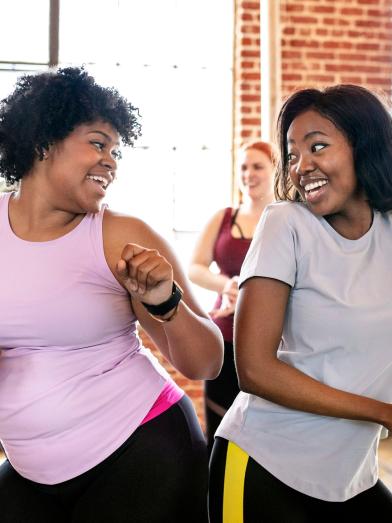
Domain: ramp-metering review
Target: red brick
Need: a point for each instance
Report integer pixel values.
(336, 44)
(350, 80)
(246, 41)
(247, 64)
(250, 29)
(367, 47)
(250, 121)
(251, 5)
(293, 7)
(249, 98)
(304, 20)
(250, 76)
(376, 80)
(360, 34)
(322, 32)
(291, 77)
(291, 54)
(386, 13)
(247, 17)
(320, 55)
(322, 78)
(250, 53)
(322, 9)
(245, 109)
(305, 43)
(368, 2)
(351, 11)
(368, 23)
(348, 57)
(352, 67)
(383, 59)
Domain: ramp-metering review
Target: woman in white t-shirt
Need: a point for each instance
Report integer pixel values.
(313, 327)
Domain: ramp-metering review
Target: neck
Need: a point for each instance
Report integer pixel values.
(352, 226)
(33, 216)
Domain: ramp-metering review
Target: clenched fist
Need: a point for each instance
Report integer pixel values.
(145, 273)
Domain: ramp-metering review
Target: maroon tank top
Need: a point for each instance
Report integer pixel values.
(229, 253)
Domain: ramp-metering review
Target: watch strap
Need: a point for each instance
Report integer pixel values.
(163, 308)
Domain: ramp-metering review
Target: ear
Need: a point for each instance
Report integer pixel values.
(42, 152)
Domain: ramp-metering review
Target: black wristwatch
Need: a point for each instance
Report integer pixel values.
(163, 308)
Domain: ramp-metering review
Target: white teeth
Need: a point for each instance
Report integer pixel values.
(98, 179)
(314, 185)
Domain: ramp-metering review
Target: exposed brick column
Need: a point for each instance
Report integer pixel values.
(247, 123)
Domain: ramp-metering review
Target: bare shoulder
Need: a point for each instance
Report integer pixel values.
(212, 227)
(120, 229)
(218, 217)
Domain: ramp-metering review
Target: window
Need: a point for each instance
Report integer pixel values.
(173, 60)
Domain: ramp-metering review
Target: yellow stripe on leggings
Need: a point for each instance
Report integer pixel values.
(233, 490)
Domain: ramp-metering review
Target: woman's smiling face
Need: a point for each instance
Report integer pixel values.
(321, 165)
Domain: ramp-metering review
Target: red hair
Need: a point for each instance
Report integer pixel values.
(265, 147)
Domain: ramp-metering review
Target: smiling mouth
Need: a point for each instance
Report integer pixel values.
(99, 179)
(314, 186)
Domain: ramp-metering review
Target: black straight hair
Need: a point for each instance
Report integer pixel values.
(366, 123)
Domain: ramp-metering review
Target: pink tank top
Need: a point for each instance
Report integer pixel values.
(75, 381)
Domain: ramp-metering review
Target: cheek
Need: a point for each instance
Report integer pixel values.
(293, 176)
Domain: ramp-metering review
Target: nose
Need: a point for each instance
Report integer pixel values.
(304, 165)
(110, 163)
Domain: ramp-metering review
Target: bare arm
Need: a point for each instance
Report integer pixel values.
(259, 322)
(145, 265)
(203, 254)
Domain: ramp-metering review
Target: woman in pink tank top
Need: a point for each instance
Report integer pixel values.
(93, 427)
(226, 240)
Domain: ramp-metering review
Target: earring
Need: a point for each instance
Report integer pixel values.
(45, 155)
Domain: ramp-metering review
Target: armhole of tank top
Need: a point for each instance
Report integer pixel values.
(4, 218)
(97, 241)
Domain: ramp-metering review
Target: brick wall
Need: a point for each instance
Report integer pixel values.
(336, 41)
(322, 42)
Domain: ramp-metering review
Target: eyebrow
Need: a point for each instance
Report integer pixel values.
(107, 136)
(308, 135)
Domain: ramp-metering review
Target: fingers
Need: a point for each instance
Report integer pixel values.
(142, 269)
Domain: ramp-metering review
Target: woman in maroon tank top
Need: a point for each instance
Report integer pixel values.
(225, 240)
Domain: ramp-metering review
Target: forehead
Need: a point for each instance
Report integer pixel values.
(310, 123)
(253, 156)
(105, 129)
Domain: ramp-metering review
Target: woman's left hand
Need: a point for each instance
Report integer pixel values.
(146, 274)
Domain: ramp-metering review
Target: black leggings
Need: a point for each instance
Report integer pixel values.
(242, 491)
(219, 394)
(158, 475)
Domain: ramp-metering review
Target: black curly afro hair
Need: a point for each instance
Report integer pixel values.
(45, 108)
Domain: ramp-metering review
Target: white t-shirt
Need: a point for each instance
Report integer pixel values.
(338, 329)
